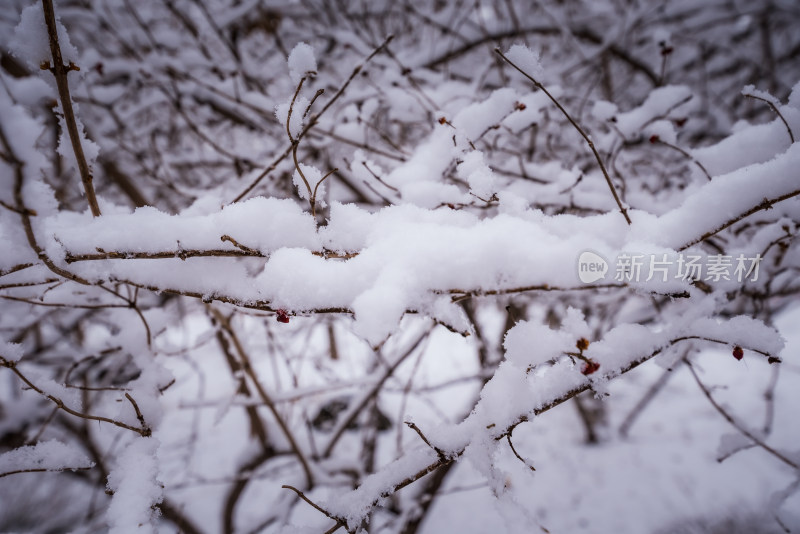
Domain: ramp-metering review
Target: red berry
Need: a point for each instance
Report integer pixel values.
(738, 353)
(654, 139)
(283, 316)
(590, 367)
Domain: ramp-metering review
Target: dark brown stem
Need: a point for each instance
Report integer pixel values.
(60, 72)
(139, 415)
(182, 254)
(314, 194)
(143, 431)
(461, 294)
(172, 514)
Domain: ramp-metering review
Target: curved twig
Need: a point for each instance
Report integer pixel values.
(583, 134)
(144, 431)
(728, 417)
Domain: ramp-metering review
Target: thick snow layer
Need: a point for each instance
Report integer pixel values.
(409, 258)
(134, 481)
(46, 455)
(661, 102)
(260, 223)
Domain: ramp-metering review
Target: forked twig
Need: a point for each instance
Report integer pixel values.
(313, 121)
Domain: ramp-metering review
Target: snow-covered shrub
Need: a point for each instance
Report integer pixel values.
(277, 267)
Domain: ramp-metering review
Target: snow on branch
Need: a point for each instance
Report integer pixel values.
(44, 456)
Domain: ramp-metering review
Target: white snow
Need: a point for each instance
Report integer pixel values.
(526, 59)
(301, 62)
(11, 352)
(51, 455)
(134, 481)
(31, 42)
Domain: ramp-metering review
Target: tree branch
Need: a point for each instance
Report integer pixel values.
(60, 72)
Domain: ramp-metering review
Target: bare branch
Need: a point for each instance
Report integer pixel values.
(583, 134)
(60, 71)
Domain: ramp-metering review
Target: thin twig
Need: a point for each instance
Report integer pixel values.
(313, 121)
(63, 304)
(12, 365)
(347, 420)
(777, 112)
(26, 214)
(758, 441)
(416, 429)
(139, 415)
(314, 194)
(43, 470)
(265, 397)
(238, 245)
(764, 205)
(520, 458)
(313, 504)
(16, 268)
(637, 410)
(583, 134)
(656, 139)
(462, 294)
